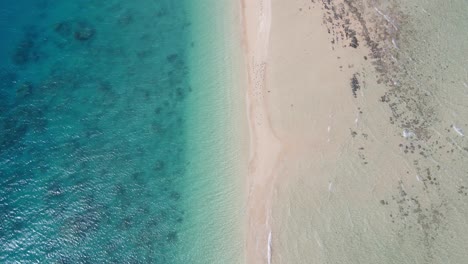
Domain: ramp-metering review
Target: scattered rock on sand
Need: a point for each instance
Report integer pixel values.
(355, 85)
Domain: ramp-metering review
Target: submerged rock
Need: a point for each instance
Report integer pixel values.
(64, 28)
(354, 42)
(125, 19)
(172, 236)
(23, 52)
(84, 32)
(172, 57)
(175, 196)
(159, 165)
(24, 90)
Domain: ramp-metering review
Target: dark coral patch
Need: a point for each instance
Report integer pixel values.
(23, 52)
(64, 28)
(84, 32)
(172, 57)
(24, 90)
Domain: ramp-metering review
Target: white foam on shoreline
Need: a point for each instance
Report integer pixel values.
(458, 130)
(407, 133)
(387, 18)
(269, 248)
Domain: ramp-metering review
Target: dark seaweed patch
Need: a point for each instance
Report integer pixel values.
(175, 196)
(24, 52)
(354, 42)
(24, 90)
(159, 165)
(355, 86)
(180, 94)
(172, 57)
(172, 237)
(84, 31)
(125, 19)
(64, 28)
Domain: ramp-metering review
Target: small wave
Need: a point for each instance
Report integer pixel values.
(407, 133)
(458, 130)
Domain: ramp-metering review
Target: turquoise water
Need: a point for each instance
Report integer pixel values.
(93, 134)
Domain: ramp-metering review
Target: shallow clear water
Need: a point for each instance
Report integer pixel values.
(93, 131)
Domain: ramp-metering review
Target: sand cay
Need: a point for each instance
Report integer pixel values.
(348, 155)
(264, 146)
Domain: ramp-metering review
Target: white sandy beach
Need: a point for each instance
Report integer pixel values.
(264, 145)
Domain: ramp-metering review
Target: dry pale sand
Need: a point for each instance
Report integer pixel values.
(264, 146)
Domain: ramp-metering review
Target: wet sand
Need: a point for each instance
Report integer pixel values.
(300, 105)
(312, 95)
(348, 161)
(293, 101)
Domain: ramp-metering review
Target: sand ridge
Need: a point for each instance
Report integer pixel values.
(264, 145)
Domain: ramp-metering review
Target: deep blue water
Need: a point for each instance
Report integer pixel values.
(92, 132)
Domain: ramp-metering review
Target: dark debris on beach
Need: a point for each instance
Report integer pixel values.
(355, 86)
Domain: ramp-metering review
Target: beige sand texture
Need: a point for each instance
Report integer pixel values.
(264, 146)
(299, 101)
(332, 179)
(312, 111)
